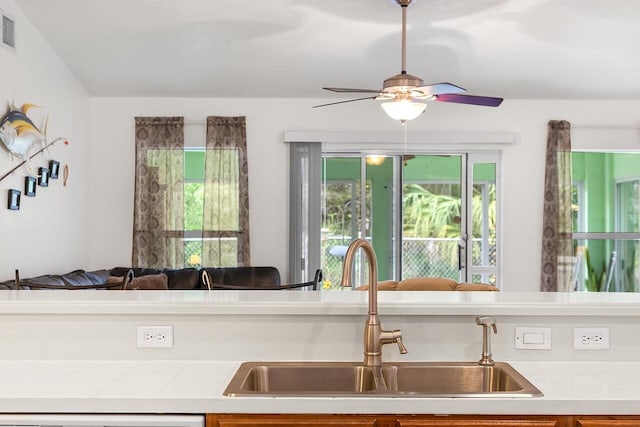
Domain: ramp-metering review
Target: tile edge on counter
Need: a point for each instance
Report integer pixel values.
(321, 303)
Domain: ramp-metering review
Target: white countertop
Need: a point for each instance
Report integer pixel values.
(197, 387)
(321, 303)
(127, 382)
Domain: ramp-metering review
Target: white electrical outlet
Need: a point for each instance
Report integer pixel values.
(155, 336)
(590, 338)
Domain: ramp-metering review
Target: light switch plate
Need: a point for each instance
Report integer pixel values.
(532, 338)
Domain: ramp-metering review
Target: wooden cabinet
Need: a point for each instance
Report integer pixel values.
(257, 420)
(311, 420)
(607, 421)
(481, 421)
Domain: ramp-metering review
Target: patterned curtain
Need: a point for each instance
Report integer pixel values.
(159, 186)
(557, 239)
(226, 194)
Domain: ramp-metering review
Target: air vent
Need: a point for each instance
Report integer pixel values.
(8, 31)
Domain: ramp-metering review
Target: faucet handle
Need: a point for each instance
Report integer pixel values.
(396, 336)
(401, 347)
(387, 337)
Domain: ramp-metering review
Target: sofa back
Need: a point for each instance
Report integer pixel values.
(77, 279)
(249, 277)
(179, 278)
(429, 284)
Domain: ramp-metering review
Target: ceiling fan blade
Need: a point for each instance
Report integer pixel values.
(342, 102)
(439, 88)
(348, 90)
(486, 101)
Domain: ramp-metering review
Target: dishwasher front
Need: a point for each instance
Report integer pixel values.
(100, 420)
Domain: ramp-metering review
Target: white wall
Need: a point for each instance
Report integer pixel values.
(297, 337)
(49, 232)
(112, 159)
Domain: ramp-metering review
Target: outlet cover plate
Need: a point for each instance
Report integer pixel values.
(532, 338)
(591, 338)
(149, 336)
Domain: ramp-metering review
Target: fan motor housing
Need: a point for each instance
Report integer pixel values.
(402, 82)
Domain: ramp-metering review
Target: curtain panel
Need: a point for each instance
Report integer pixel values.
(557, 238)
(159, 193)
(225, 231)
(305, 222)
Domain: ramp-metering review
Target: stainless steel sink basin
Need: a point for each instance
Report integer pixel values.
(402, 379)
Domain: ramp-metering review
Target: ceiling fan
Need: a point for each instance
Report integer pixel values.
(403, 92)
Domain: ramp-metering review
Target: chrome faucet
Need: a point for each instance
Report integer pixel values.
(486, 322)
(374, 336)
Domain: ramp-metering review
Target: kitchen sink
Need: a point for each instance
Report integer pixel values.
(393, 379)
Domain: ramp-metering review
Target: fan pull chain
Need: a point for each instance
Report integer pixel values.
(404, 124)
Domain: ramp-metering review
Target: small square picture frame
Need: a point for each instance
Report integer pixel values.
(43, 177)
(54, 169)
(30, 184)
(13, 202)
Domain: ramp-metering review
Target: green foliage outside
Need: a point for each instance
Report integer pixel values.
(430, 212)
(193, 205)
(434, 211)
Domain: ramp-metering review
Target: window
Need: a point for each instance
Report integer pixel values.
(606, 234)
(191, 204)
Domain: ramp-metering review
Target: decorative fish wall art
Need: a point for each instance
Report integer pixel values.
(19, 134)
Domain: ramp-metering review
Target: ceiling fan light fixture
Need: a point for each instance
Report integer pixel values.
(403, 109)
(375, 160)
(404, 91)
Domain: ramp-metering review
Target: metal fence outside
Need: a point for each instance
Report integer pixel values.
(421, 257)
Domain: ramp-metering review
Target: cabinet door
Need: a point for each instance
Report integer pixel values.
(480, 421)
(608, 422)
(260, 420)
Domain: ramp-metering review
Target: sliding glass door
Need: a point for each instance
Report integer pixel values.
(426, 215)
(480, 240)
(433, 222)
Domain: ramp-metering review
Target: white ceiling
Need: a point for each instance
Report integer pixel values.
(563, 49)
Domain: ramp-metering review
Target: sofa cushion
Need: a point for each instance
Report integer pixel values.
(183, 278)
(144, 283)
(251, 277)
(180, 278)
(475, 287)
(77, 279)
(85, 278)
(385, 285)
(148, 282)
(427, 284)
(114, 280)
(98, 276)
(46, 281)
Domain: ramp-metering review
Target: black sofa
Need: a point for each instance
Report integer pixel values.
(177, 279)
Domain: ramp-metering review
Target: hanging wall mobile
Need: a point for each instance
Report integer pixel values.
(29, 186)
(20, 136)
(54, 169)
(14, 200)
